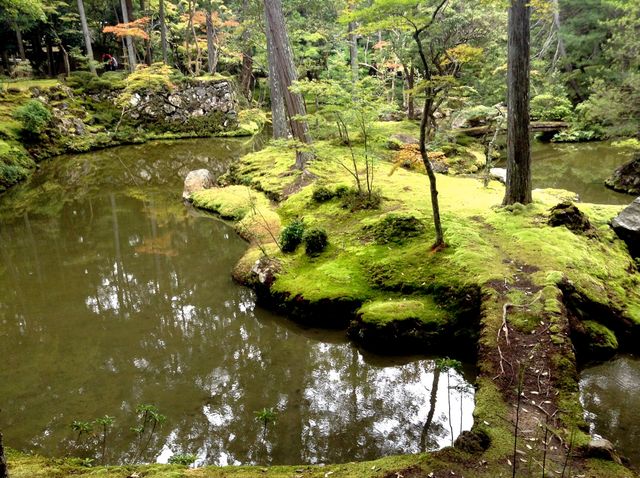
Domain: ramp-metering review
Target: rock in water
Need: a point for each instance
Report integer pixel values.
(627, 227)
(197, 181)
(626, 178)
(499, 174)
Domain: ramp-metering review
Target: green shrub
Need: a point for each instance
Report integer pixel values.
(291, 236)
(34, 116)
(576, 136)
(356, 201)
(322, 194)
(315, 241)
(478, 115)
(547, 107)
(182, 459)
(342, 190)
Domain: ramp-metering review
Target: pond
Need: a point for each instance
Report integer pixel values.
(611, 396)
(114, 295)
(581, 168)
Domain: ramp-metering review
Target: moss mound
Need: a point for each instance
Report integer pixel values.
(396, 229)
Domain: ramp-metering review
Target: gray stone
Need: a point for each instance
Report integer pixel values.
(627, 227)
(198, 112)
(175, 100)
(602, 449)
(197, 181)
(169, 108)
(135, 100)
(499, 174)
(397, 141)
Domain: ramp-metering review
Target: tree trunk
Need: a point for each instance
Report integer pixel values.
(247, 57)
(131, 54)
(518, 143)
(87, 37)
(432, 409)
(20, 42)
(163, 32)
(427, 114)
(212, 51)
(4, 472)
(410, 77)
(278, 114)
(562, 52)
(286, 74)
(50, 63)
(353, 52)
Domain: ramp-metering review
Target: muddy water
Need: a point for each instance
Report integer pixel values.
(113, 294)
(611, 397)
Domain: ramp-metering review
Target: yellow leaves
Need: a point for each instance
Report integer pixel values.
(134, 29)
(463, 54)
(409, 157)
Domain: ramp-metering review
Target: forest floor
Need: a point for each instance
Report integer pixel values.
(506, 281)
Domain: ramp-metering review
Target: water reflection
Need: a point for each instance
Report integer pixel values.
(581, 168)
(118, 295)
(611, 398)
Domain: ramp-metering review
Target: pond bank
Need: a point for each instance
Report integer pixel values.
(87, 113)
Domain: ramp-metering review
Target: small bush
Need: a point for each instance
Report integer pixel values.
(291, 236)
(355, 201)
(342, 190)
(547, 107)
(315, 241)
(34, 116)
(182, 459)
(23, 69)
(576, 136)
(322, 194)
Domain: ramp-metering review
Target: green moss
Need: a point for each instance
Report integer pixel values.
(601, 339)
(423, 310)
(233, 202)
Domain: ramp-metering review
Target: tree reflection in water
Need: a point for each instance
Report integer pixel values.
(119, 295)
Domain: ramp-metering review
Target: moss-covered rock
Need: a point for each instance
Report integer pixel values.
(626, 178)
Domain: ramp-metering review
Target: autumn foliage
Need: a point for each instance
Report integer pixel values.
(134, 29)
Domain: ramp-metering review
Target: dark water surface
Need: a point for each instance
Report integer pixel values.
(581, 168)
(114, 294)
(611, 396)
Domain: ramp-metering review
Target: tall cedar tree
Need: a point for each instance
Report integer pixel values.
(285, 72)
(87, 37)
(518, 142)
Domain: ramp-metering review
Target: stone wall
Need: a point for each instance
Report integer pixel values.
(193, 105)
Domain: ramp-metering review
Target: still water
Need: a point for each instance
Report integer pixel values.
(611, 395)
(581, 168)
(114, 294)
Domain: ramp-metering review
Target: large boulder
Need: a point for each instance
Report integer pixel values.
(499, 174)
(626, 178)
(627, 226)
(197, 181)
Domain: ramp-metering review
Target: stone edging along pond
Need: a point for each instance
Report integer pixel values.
(509, 289)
